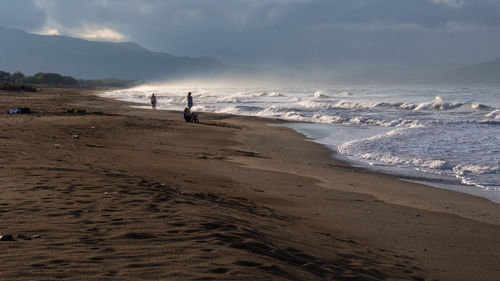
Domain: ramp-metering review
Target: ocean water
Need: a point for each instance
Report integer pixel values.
(444, 135)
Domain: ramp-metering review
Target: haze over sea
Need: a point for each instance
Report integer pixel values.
(446, 136)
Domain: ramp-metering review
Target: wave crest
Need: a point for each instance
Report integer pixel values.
(495, 114)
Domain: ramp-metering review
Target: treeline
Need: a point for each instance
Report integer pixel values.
(17, 79)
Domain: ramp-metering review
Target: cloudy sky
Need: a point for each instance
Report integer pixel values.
(298, 32)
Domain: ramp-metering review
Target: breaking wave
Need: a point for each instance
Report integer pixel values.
(440, 130)
(495, 114)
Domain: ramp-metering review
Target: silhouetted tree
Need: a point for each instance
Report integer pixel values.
(4, 76)
(17, 77)
(52, 79)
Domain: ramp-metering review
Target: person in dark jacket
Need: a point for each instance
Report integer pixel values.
(153, 101)
(190, 117)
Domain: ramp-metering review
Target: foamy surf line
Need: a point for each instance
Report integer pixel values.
(441, 134)
(335, 139)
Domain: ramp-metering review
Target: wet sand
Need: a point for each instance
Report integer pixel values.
(121, 193)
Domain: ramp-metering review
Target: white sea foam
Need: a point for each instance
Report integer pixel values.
(320, 94)
(495, 114)
(272, 94)
(440, 130)
(476, 169)
(442, 148)
(438, 103)
(328, 119)
(478, 106)
(408, 105)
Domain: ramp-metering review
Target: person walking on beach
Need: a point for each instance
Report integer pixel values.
(153, 101)
(190, 101)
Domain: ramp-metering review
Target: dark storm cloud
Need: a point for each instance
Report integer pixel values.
(326, 32)
(21, 14)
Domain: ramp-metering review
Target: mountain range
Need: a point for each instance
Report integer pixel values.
(485, 72)
(31, 53)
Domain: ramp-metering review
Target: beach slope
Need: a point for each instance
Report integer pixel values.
(114, 192)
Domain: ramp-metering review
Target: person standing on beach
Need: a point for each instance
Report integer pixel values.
(153, 101)
(190, 101)
(23, 89)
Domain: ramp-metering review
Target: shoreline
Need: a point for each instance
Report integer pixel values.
(352, 117)
(142, 193)
(408, 174)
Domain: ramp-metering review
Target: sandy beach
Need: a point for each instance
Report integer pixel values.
(124, 193)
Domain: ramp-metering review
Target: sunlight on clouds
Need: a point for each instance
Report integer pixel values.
(50, 28)
(58, 23)
(49, 31)
(89, 33)
(101, 33)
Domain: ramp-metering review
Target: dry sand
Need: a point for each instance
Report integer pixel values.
(121, 193)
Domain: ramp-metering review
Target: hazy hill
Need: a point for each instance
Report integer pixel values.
(80, 58)
(408, 74)
(486, 72)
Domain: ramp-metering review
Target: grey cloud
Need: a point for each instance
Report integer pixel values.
(21, 14)
(327, 32)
